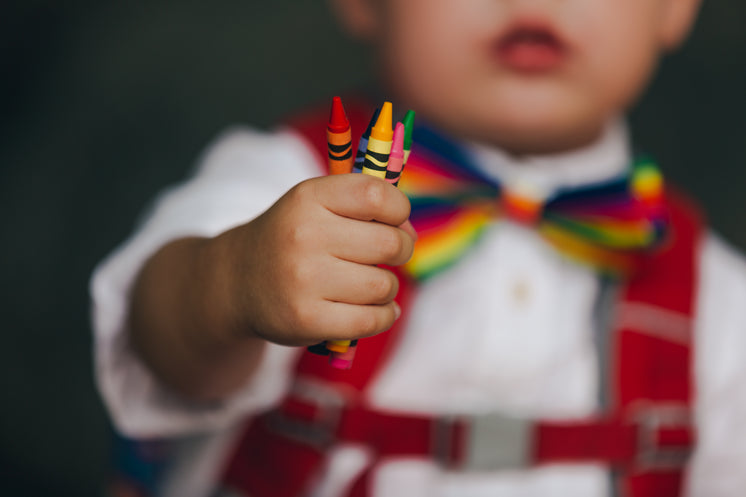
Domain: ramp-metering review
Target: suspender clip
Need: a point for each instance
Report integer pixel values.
(484, 443)
(665, 436)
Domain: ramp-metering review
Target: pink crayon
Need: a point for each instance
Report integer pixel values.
(343, 360)
(396, 159)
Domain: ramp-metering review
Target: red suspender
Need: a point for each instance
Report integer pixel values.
(654, 347)
(645, 435)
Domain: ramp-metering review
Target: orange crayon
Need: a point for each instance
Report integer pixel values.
(339, 139)
(340, 161)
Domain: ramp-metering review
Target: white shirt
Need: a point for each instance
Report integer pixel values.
(521, 341)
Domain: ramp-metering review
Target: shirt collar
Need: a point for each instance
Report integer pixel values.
(540, 176)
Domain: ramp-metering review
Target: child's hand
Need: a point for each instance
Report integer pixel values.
(304, 271)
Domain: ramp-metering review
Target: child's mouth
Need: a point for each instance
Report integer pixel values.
(530, 47)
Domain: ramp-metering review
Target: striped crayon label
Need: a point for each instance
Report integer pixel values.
(339, 146)
(377, 157)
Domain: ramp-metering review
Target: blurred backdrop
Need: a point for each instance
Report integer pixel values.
(103, 103)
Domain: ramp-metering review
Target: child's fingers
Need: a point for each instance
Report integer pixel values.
(407, 226)
(359, 284)
(349, 321)
(363, 197)
(371, 243)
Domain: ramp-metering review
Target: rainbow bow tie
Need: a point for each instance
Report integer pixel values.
(609, 225)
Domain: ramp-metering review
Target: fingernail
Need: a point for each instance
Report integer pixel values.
(397, 311)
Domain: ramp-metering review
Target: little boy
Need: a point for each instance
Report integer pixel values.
(513, 371)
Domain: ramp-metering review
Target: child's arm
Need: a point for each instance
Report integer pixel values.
(300, 273)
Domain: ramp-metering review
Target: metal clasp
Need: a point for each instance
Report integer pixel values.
(488, 442)
(651, 421)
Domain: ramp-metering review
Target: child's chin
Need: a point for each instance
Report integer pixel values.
(524, 136)
(544, 127)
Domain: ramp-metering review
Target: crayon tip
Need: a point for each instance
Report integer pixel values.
(372, 122)
(397, 147)
(382, 129)
(338, 122)
(408, 126)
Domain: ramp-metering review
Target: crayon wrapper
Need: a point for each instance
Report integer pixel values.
(377, 166)
(340, 152)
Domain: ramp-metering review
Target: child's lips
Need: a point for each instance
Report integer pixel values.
(531, 48)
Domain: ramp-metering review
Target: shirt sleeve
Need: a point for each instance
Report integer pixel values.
(719, 463)
(239, 177)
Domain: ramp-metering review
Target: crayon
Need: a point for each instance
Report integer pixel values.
(376, 151)
(396, 159)
(337, 345)
(337, 348)
(339, 139)
(363, 145)
(408, 122)
(375, 162)
(339, 147)
(343, 360)
(379, 144)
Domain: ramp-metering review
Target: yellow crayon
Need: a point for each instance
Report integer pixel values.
(379, 144)
(338, 345)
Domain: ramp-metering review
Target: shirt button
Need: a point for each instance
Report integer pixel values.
(521, 292)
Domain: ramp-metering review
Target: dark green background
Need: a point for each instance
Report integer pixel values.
(103, 103)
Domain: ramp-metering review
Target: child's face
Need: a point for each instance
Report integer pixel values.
(529, 75)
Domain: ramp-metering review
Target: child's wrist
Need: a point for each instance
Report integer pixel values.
(222, 257)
